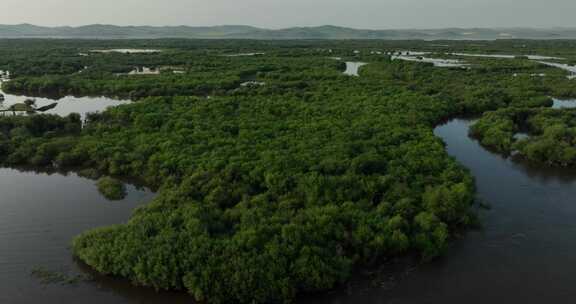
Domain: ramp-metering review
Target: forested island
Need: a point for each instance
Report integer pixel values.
(277, 174)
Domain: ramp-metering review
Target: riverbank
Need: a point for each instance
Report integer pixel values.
(515, 257)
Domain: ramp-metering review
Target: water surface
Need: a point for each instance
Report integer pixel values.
(502, 56)
(39, 215)
(526, 252)
(437, 62)
(353, 68)
(66, 105)
(127, 51)
(564, 103)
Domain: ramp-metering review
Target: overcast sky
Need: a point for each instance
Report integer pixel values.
(285, 13)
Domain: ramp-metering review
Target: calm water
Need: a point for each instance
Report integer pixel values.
(352, 68)
(128, 51)
(39, 216)
(441, 63)
(564, 103)
(68, 104)
(525, 254)
(531, 57)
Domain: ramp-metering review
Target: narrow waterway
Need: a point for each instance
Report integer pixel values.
(526, 252)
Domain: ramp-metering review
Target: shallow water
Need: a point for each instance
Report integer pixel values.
(127, 51)
(39, 216)
(244, 54)
(526, 252)
(66, 105)
(564, 103)
(531, 57)
(353, 68)
(443, 63)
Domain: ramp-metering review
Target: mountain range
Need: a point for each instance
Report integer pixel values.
(100, 31)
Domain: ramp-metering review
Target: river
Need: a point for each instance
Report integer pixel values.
(526, 252)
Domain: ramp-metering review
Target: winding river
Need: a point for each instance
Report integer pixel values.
(526, 252)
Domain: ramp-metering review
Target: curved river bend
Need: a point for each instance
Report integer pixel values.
(526, 252)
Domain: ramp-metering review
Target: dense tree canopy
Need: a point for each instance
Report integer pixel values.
(285, 187)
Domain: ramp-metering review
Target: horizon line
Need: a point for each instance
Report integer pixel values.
(301, 26)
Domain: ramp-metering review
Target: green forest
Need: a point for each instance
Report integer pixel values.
(292, 186)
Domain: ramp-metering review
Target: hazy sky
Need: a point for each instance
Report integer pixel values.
(286, 13)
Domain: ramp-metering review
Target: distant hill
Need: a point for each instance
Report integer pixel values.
(99, 31)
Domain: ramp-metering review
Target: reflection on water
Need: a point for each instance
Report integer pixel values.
(65, 105)
(526, 252)
(39, 216)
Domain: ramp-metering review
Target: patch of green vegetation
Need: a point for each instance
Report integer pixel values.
(270, 191)
(111, 188)
(89, 173)
(552, 139)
